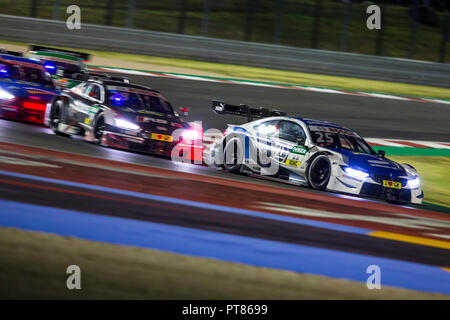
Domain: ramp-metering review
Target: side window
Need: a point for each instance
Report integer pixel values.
(291, 131)
(81, 88)
(94, 91)
(267, 127)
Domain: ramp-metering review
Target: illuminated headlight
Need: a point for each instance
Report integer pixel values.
(190, 135)
(5, 95)
(355, 173)
(123, 124)
(414, 183)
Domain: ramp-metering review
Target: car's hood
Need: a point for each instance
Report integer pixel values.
(29, 90)
(153, 121)
(373, 164)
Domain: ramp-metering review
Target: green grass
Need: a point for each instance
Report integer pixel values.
(35, 268)
(435, 176)
(228, 20)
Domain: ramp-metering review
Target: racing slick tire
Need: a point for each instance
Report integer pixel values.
(98, 128)
(319, 172)
(233, 155)
(56, 116)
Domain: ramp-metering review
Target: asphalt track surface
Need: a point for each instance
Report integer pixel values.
(372, 117)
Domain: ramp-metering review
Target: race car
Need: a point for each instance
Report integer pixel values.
(25, 88)
(66, 67)
(112, 112)
(319, 154)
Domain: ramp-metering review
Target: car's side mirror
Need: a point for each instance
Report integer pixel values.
(184, 111)
(300, 141)
(381, 153)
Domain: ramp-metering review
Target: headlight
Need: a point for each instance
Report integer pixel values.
(123, 124)
(409, 169)
(355, 173)
(414, 183)
(5, 95)
(190, 134)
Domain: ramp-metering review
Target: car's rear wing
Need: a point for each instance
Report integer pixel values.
(220, 107)
(11, 53)
(80, 55)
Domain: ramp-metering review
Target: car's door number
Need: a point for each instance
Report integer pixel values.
(324, 137)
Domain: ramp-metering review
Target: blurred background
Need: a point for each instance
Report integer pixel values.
(413, 29)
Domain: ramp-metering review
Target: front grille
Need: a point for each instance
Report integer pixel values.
(378, 191)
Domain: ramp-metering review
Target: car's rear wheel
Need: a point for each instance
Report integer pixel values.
(56, 117)
(319, 172)
(233, 155)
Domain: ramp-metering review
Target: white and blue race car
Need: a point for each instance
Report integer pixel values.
(314, 153)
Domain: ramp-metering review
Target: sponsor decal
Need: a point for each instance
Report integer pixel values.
(293, 163)
(299, 150)
(148, 119)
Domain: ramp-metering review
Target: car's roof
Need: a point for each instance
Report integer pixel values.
(118, 83)
(313, 122)
(19, 59)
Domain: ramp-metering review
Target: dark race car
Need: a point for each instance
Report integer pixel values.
(66, 67)
(112, 112)
(25, 88)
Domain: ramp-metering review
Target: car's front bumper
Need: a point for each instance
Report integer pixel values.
(138, 143)
(372, 187)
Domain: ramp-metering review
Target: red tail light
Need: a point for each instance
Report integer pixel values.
(40, 106)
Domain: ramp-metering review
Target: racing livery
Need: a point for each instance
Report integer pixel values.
(67, 68)
(112, 112)
(313, 153)
(25, 88)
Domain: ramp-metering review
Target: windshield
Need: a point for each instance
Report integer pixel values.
(28, 73)
(139, 100)
(341, 141)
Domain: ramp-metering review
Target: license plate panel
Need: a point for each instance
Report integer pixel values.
(161, 137)
(392, 184)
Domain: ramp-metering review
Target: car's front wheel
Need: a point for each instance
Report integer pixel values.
(319, 172)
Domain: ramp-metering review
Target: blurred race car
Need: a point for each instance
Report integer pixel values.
(112, 112)
(67, 68)
(313, 153)
(25, 88)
